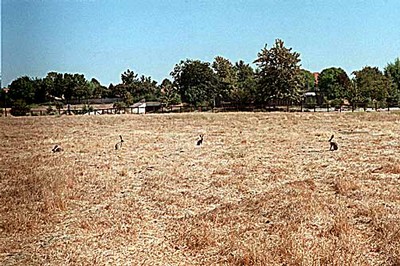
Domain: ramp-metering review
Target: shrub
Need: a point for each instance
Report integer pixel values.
(59, 106)
(87, 108)
(310, 102)
(50, 110)
(20, 108)
(128, 98)
(119, 105)
(336, 103)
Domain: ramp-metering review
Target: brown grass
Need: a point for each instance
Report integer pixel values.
(263, 189)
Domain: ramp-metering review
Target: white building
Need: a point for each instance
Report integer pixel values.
(139, 108)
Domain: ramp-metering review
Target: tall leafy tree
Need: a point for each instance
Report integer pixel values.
(392, 71)
(140, 88)
(129, 77)
(334, 83)
(244, 91)
(308, 80)
(69, 87)
(169, 93)
(226, 78)
(128, 98)
(127, 88)
(146, 89)
(195, 81)
(40, 91)
(81, 88)
(279, 73)
(56, 85)
(22, 89)
(308, 85)
(118, 90)
(53, 83)
(98, 90)
(371, 84)
(4, 98)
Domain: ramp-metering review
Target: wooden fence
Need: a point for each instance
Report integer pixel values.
(224, 108)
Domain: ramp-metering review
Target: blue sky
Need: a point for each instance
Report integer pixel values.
(103, 38)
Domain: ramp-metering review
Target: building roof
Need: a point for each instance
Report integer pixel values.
(146, 104)
(139, 104)
(153, 104)
(310, 93)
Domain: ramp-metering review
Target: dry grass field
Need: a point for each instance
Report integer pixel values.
(263, 189)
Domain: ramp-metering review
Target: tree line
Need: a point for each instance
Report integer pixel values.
(277, 76)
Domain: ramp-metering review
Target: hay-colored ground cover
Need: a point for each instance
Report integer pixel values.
(263, 189)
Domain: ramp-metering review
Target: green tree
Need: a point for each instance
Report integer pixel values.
(53, 84)
(118, 90)
(129, 77)
(334, 83)
(137, 88)
(23, 88)
(308, 80)
(169, 93)
(279, 74)
(98, 90)
(128, 99)
(245, 90)
(308, 85)
(226, 78)
(40, 91)
(19, 107)
(4, 98)
(146, 89)
(371, 85)
(392, 71)
(129, 83)
(195, 81)
(68, 86)
(80, 87)
(111, 91)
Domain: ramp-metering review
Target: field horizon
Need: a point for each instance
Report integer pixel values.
(262, 189)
